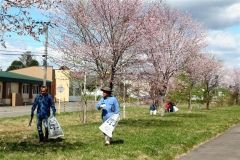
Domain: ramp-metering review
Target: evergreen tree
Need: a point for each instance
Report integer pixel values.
(15, 65)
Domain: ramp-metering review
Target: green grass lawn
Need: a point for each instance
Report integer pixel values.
(139, 136)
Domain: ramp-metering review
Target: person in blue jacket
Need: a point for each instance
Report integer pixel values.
(109, 106)
(43, 102)
(153, 108)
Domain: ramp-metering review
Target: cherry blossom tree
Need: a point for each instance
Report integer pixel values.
(232, 80)
(193, 71)
(15, 17)
(169, 44)
(211, 75)
(101, 35)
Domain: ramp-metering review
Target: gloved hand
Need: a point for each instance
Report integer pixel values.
(30, 122)
(103, 106)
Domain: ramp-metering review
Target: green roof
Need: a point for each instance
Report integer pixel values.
(15, 77)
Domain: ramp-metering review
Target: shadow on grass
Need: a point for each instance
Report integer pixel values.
(187, 115)
(149, 123)
(117, 141)
(40, 148)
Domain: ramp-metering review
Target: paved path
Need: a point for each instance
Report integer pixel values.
(223, 147)
(8, 111)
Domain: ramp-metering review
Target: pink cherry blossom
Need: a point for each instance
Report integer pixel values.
(101, 35)
(171, 40)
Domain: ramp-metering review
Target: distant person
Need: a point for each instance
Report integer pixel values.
(169, 106)
(153, 108)
(109, 106)
(43, 102)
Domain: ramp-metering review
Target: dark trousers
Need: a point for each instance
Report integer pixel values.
(44, 121)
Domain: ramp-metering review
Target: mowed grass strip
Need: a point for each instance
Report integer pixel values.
(139, 136)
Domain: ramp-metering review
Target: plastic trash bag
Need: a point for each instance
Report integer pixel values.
(175, 109)
(54, 128)
(109, 125)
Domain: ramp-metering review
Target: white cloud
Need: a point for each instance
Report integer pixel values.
(232, 12)
(223, 40)
(225, 46)
(216, 14)
(222, 19)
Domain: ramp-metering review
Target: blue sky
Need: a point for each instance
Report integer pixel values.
(221, 18)
(18, 44)
(234, 29)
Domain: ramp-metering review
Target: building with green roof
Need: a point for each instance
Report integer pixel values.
(15, 77)
(24, 87)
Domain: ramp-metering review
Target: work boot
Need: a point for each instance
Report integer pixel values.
(41, 138)
(46, 135)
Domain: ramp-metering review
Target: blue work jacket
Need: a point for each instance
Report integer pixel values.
(112, 107)
(43, 103)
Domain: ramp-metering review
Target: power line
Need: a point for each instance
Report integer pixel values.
(18, 51)
(21, 51)
(12, 54)
(10, 51)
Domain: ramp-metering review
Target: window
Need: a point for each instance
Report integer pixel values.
(25, 88)
(35, 89)
(77, 92)
(8, 88)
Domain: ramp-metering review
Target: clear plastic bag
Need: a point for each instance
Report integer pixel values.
(54, 128)
(175, 109)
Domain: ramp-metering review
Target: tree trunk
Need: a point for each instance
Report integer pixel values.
(161, 104)
(112, 76)
(85, 112)
(237, 98)
(161, 97)
(207, 95)
(190, 100)
(208, 100)
(85, 99)
(207, 104)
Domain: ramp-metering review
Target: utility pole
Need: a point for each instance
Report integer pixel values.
(45, 54)
(124, 97)
(85, 83)
(85, 98)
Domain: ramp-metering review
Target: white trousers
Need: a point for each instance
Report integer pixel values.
(153, 112)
